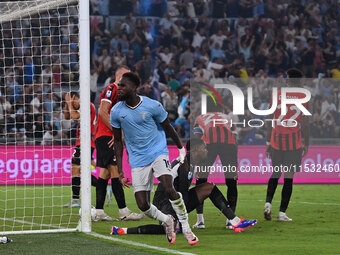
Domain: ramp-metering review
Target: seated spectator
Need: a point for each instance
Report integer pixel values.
(183, 75)
(199, 37)
(327, 106)
(182, 123)
(187, 58)
(216, 51)
(218, 38)
(170, 103)
(166, 55)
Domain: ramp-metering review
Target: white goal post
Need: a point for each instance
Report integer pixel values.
(44, 54)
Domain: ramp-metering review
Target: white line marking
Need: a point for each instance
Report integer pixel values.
(31, 223)
(41, 231)
(295, 202)
(139, 244)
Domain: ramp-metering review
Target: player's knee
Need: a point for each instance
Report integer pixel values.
(75, 170)
(143, 206)
(104, 174)
(171, 193)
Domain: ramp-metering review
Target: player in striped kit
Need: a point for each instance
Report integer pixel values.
(71, 110)
(216, 130)
(285, 147)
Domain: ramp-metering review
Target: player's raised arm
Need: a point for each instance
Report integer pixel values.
(66, 111)
(170, 131)
(73, 105)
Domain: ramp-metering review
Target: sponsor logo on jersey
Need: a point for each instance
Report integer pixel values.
(108, 93)
(143, 114)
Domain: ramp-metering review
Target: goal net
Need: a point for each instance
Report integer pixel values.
(39, 64)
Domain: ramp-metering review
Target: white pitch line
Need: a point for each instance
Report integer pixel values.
(295, 202)
(31, 223)
(139, 244)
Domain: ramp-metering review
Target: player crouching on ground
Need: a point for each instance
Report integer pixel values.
(183, 174)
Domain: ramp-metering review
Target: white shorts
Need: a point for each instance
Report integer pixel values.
(142, 177)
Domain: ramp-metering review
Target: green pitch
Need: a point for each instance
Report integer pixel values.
(315, 228)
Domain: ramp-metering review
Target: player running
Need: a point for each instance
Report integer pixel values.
(183, 175)
(144, 123)
(285, 148)
(71, 110)
(106, 158)
(221, 140)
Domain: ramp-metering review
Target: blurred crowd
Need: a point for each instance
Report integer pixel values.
(170, 44)
(38, 65)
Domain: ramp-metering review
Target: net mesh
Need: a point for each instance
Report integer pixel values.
(38, 66)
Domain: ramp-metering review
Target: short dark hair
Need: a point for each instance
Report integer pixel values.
(74, 93)
(294, 73)
(133, 77)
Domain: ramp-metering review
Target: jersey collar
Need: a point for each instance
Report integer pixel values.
(141, 100)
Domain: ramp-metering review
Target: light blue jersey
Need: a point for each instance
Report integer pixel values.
(144, 136)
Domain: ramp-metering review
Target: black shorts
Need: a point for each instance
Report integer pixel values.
(228, 157)
(286, 162)
(105, 155)
(76, 155)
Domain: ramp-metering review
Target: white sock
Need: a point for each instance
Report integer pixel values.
(181, 212)
(200, 217)
(156, 214)
(124, 211)
(235, 221)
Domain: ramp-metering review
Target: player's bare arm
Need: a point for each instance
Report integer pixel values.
(74, 114)
(66, 111)
(269, 133)
(118, 146)
(305, 130)
(104, 113)
(170, 131)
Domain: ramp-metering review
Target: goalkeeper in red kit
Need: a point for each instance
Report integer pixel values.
(286, 147)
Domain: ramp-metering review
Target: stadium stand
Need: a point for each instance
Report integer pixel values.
(170, 42)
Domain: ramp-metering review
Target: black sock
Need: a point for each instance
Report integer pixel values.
(232, 193)
(286, 194)
(147, 229)
(272, 184)
(199, 209)
(117, 190)
(75, 187)
(94, 180)
(101, 193)
(221, 203)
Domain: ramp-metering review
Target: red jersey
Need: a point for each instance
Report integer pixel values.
(218, 131)
(109, 94)
(287, 138)
(93, 127)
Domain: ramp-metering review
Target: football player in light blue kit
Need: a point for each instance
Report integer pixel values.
(144, 123)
